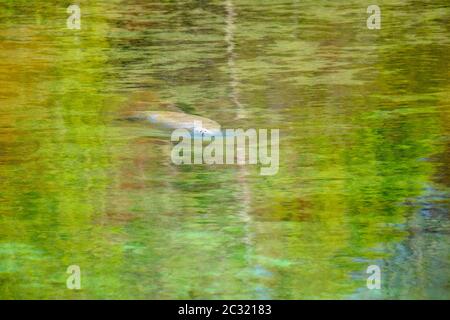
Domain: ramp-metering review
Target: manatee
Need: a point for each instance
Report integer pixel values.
(177, 120)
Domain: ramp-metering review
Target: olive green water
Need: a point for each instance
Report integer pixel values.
(364, 150)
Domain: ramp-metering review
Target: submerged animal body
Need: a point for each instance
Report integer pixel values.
(177, 120)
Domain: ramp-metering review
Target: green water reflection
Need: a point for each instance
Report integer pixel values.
(364, 150)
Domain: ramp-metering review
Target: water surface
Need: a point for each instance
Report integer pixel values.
(364, 150)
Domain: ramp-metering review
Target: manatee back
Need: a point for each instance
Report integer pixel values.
(173, 120)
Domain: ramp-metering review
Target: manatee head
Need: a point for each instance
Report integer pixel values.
(202, 131)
